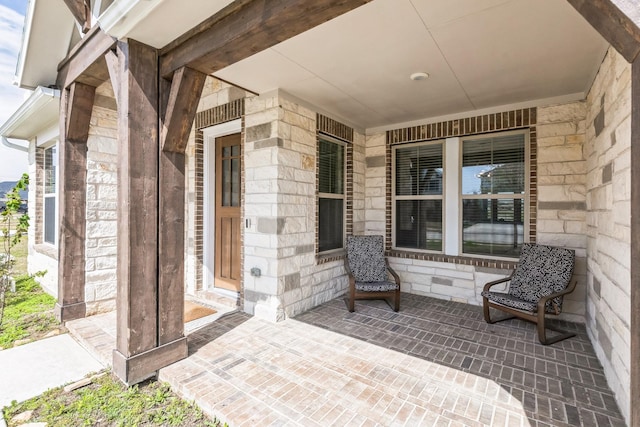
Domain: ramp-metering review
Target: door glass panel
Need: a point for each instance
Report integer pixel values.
(231, 176)
(235, 181)
(226, 181)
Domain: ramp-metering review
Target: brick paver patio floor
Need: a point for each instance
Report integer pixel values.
(435, 363)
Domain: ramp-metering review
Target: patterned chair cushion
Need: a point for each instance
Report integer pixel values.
(510, 301)
(365, 255)
(376, 286)
(541, 271)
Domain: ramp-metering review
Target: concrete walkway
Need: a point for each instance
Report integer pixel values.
(31, 369)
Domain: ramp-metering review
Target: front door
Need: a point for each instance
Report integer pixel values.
(227, 213)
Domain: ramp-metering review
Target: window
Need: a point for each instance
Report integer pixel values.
(418, 196)
(50, 166)
(331, 194)
(493, 195)
(462, 196)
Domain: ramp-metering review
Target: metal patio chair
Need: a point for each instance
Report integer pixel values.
(369, 270)
(544, 274)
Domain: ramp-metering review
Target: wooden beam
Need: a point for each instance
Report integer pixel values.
(138, 195)
(613, 24)
(111, 60)
(81, 11)
(635, 245)
(180, 100)
(184, 95)
(76, 108)
(246, 27)
(86, 63)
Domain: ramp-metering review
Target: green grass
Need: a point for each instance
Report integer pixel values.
(28, 313)
(108, 402)
(19, 252)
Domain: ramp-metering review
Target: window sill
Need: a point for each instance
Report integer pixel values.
(500, 264)
(330, 256)
(47, 249)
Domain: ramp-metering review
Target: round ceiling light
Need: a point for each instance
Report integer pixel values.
(419, 76)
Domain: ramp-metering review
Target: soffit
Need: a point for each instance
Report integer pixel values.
(479, 54)
(49, 29)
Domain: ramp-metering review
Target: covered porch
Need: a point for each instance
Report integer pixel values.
(575, 124)
(434, 363)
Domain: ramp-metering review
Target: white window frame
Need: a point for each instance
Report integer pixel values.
(342, 196)
(525, 197)
(442, 196)
(54, 195)
(452, 197)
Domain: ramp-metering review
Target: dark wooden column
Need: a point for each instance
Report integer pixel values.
(179, 103)
(151, 180)
(137, 355)
(76, 105)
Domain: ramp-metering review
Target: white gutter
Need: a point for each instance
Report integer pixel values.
(10, 144)
(123, 15)
(30, 113)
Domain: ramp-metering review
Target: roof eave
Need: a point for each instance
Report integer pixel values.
(40, 110)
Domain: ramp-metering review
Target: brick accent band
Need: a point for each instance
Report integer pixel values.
(334, 128)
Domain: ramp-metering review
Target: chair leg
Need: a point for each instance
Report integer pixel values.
(487, 314)
(351, 300)
(542, 332)
(396, 302)
(485, 310)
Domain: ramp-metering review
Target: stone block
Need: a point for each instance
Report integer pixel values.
(557, 129)
(550, 226)
(561, 192)
(101, 229)
(571, 112)
(563, 153)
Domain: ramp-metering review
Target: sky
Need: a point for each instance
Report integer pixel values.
(12, 162)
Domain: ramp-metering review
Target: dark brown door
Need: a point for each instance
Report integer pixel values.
(227, 229)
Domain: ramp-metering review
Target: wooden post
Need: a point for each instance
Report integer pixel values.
(150, 325)
(76, 106)
(179, 103)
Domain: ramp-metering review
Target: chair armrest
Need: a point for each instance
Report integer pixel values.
(495, 282)
(393, 272)
(567, 290)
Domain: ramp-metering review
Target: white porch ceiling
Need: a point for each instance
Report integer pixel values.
(479, 54)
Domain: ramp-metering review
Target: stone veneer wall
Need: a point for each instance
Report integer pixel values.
(102, 201)
(562, 193)
(608, 196)
(280, 202)
(462, 278)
